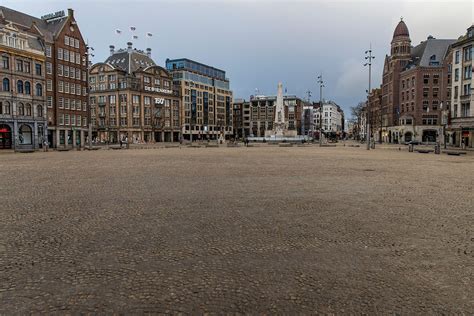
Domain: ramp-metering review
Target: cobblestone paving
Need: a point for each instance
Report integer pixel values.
(237, 230)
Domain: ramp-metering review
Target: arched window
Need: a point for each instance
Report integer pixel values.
(27, 87)
(6, 108)
(39, 110)
(6, 84)
(21, 109)
(28, 109)
(39, 90)
(19, 86)
(25, 135)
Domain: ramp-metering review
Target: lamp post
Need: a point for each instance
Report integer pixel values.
(321, 86)
(444, 120)
(369, 58)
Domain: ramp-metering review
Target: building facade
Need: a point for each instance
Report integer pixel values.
(262, 114)
(206, 97)
(241, 118)
(65, 72)
(415, 87)
(461, 127)
(132, 99)
(22, 97)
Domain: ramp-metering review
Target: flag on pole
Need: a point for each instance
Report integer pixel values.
(132, 28)
(118, 31)
(135, 36)
(149, 34)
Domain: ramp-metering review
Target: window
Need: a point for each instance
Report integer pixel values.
(426, 79)
(39, 90)
(61, 119)
(48, 51)
(5, 62)
(38, 69)
(435, 92)
(78, 59)
(19, 65)
(73, 104)
(73, 120)
(60, 70)
(78, 74)
(6, 84)
(49, 68)
(426, 91)
(76, 43)
(456, 57)
(468, 72)
(456, 92)
(146, 79)
(61, 86)
(49, 85)
(112, 99)
(60, 53)
(84, 121)
(66, 40)
(66, 71)
(26, 66)
(72, 73)
(25, 135)
(28, 109)
(157, 82)
(135, 99)
(456, 74)
(61, 102)
(67, 104)
(467, 89)
(66, 87)
(66, 119)
(49, 102)
(468, 53)
(21, 109)
(66, 55)
(19, 86)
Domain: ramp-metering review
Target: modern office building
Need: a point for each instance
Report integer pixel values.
(22, 97)
(65, 70)
(206, 97)
(461, 127)
(133, 99)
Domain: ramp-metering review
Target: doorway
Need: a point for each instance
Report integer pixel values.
(5, 137)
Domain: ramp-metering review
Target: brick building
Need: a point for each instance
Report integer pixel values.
(65, 71)
(415, 85)
(22, 97)
(133, 99)
(241, 118)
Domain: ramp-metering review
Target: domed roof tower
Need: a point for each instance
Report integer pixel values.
(401, 43)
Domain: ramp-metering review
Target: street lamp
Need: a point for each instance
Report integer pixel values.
(444, 121)
(369, 58)
(321, 86)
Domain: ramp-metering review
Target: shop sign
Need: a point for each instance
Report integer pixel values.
(160, 90)
(159, 101)
(51, 16)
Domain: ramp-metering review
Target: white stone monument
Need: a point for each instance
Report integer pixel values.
(280, 125)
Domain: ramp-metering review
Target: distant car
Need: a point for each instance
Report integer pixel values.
(413, 142)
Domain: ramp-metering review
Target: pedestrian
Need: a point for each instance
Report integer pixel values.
(121, 142)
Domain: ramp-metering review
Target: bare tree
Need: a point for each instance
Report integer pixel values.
(356, 113)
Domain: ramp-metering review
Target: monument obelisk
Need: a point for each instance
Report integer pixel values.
(279, 125)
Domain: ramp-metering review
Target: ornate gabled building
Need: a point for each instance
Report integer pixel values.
(65, 71)
(415, 87)
(132, 99)
(22, 97)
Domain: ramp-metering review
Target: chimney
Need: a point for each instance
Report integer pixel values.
(129, 46)
(148, 52)
(70, 13)
(112, 49)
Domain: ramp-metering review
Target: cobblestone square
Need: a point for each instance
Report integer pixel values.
(237, 230)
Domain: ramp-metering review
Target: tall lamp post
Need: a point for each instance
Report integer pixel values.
(444, 121)
(303, 118)
(369, 58)
(321, 86)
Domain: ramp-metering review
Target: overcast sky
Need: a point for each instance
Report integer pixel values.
(261, 42)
